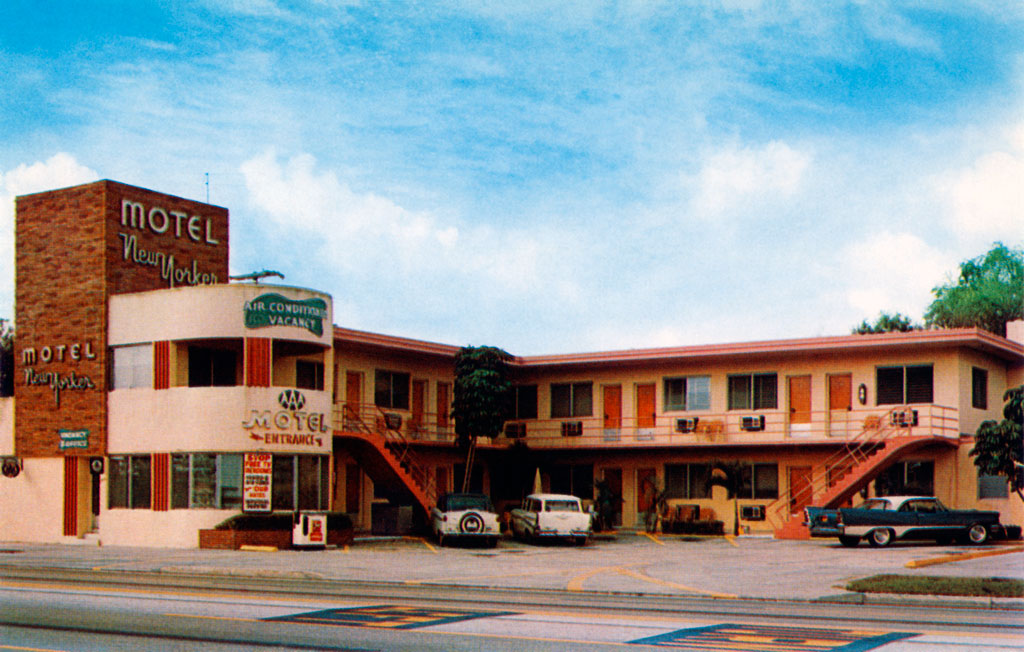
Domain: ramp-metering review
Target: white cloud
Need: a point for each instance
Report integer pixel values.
(736, 178)
(59, 171)
(892, 272)
(986, 198)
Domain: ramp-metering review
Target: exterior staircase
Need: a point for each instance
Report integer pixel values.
(383, 451)
(841, 476)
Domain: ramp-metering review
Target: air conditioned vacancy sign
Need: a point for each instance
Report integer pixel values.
(257, 470)
(276, 310)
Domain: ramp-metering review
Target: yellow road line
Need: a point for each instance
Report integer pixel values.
(576, 584)
(654, 538)
(732, 540)
(241, 620)
(945, 559)
(30, 649)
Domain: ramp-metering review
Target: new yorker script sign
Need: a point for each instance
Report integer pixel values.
(276, 310)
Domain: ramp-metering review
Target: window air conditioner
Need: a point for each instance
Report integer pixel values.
(515, 430)
(572, 428)
(752, 423)
(686, 425)
(904, 418)
(752, 512)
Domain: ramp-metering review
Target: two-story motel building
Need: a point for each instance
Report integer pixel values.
(154, 398)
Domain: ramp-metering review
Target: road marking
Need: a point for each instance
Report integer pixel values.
(424, 542)
(732, 540)
(576, 583)
(762, 638)
(654, 538)
(387, 617)
(242, 620)
(945, 559)
(30, 649)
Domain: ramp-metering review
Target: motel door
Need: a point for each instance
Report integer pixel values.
(613, 477)
(612, 412)
(419, 396)
(443, 403)
(645, 417)
(799, 404)
(840, 403)
(800, 492)
(353, 396)
(646, 487)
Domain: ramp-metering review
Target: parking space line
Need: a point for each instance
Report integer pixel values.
(654, 538)
(576, 583)
(945, 559)
(424, 542)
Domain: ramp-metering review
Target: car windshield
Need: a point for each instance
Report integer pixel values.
(462, 503)
(875, 504)
(561, 506)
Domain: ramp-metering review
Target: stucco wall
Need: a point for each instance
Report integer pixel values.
(33, 503)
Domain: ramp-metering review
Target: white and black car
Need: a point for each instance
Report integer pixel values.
(551, 516)
(465, 517)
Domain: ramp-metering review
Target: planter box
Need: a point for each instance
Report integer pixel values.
(281, 539)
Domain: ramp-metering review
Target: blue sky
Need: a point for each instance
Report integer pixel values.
(546, 176)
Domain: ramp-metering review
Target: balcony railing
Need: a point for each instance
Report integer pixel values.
(674, 429)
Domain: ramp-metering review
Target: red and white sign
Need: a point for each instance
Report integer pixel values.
(257, 471)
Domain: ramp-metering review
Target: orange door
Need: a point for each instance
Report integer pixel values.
(353, 394)
(800, 493)
(645, 417)
(443, 402)
(840, 402)
(612, 407)
(419, 396)
(799, 399)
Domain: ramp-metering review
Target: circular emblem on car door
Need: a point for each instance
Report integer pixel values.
(471, 523)
(291, 399)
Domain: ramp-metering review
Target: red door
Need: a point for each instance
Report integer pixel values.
(799, 400)
(443, 403)
(353, 395)
(800, 493)
(612, 407)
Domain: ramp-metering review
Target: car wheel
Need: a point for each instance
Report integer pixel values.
(471, 523)
(977, 534)
(881, 537)
(848, 541)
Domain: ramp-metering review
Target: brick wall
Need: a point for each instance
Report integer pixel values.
(71, 252)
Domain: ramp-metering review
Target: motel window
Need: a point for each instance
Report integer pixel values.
(206, 481)
(309, 375)
(993, 486)
(979, 388)
(907, 479)
(524, 402)
(300, 482)
(900, 385)
(133, 366)
(753, 391)
(573, 479)
(572, 400)
(129, 482)
(687, 481)
(687, 393)
(391, 389)
(759, 481)
(209, 367)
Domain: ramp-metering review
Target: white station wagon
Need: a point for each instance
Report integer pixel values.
(551, 516)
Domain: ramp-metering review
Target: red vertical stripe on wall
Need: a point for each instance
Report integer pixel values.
(71, 496)
(257, 362)
(161, 486)
(161, 365)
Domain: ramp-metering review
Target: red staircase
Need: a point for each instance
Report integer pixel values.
(841, 476)
(383, 451)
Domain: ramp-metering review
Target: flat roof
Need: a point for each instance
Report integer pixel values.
(973, 338)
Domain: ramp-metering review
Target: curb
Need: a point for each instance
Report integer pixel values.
(944, 559)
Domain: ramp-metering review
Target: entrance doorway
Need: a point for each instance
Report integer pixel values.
(645, 411)
(840, 403)
(613, 479)
(612, 412)
(799, 405)
(800, 489)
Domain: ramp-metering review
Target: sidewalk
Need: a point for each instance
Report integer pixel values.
(743, 567)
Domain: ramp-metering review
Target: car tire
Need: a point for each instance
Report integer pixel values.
(880, 537)
(849, 541)
(471, 523)
(977, 534)
(581, 541)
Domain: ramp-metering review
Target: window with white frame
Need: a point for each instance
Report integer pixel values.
(687, 393)
(753, 391)
(133, 366)
(206, 480)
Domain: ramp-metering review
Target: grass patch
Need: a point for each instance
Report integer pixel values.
(986, 587)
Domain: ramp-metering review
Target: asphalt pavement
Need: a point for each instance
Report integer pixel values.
(758, 568)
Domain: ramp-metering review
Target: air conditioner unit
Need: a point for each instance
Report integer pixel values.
(392, 420)
(752, 423)
(515, 430)
(687, 425)
(572, 428)
(904, 418)
(752, 512)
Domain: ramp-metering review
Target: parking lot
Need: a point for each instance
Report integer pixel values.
(749, 567)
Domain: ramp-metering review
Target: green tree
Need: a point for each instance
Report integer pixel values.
(998, 446)
(988, 293)
(729, 475)
(481, 397)
(887, 323)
